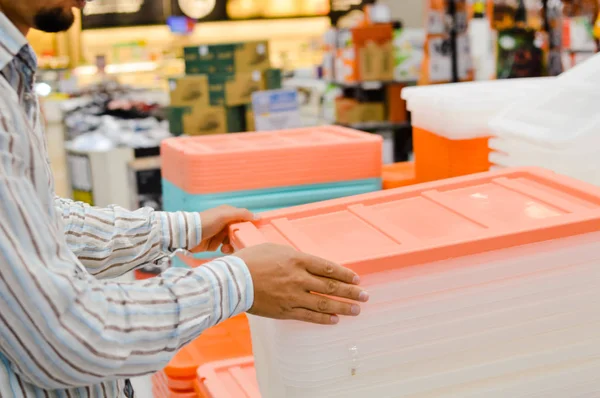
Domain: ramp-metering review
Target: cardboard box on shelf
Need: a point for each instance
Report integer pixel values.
(376, 62)
(234, 89)
(349, 111)
(273, 79)
(205, 121)
(175, 117)
(374, 51)
(236, 119)
(250, 123)
(229, 58)
(189, 91)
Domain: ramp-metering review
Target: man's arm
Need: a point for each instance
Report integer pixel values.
(112, 241)
(60, 327)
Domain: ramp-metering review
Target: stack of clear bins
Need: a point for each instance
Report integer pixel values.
(556, 128)
(450, 123)
(269, 170)
(481, 286)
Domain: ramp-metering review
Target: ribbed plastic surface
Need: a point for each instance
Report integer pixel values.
(462, 111)
(251, 161)
(557, 128)
(450, 123)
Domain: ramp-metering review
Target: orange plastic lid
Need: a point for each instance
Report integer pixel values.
(399, 175)
(434, 221)
(229, 339)
(161, 390)
(248, 161)
(235, 378)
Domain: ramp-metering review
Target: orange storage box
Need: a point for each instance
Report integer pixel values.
(450, 123)
(229, 339)
(160, 388)
(235, 378)
(399, 175)
(253, 161)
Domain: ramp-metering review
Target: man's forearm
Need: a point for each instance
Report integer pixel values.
(112, 241)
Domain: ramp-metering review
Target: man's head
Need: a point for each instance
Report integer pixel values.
(45, 15)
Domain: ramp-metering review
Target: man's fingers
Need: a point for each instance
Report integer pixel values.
(235, 215)
(304, 315)
(332, 287)
(320, 267)
(325, 305)
(217, 241)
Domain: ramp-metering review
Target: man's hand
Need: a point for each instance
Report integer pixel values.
(215, 227)
(292, 285)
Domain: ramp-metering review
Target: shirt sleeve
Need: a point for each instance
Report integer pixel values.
(61, 327)
(112, 241)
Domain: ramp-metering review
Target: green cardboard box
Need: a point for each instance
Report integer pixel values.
(175, 116)
(228, 58)
(234, 89)
(190, 90)
(236, 119)
(273, 79)
(205, 120)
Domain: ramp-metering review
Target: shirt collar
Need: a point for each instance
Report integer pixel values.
(12, 42)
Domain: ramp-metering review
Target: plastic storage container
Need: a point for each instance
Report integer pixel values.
(450, 123)
(557, 128)
(254, 161)
(235, 378)
(267, 199)
(270, 170)
(399, 175)
(472, 280)
(160, 388)
(230, 339)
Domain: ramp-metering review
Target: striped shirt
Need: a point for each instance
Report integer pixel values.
(66, 329)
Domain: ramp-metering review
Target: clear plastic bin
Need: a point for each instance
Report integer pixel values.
(556, 128)
(471, 279)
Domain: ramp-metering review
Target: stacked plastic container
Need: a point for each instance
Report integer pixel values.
(450, 123)
(398, 175)
(227, 341)
(556, 128)
(481, 286)
(270, 170)
(235, 378)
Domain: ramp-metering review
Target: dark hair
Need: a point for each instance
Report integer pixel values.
(54, 20)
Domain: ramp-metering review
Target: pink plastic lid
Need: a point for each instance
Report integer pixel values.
(247, 161)
(434, 221)
(229, 379)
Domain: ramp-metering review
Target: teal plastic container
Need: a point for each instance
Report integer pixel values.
(176, 199)
(262, 200)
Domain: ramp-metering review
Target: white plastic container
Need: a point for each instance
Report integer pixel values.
(558, 128)
(460, 111)
(472, 280)
(450, 123)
